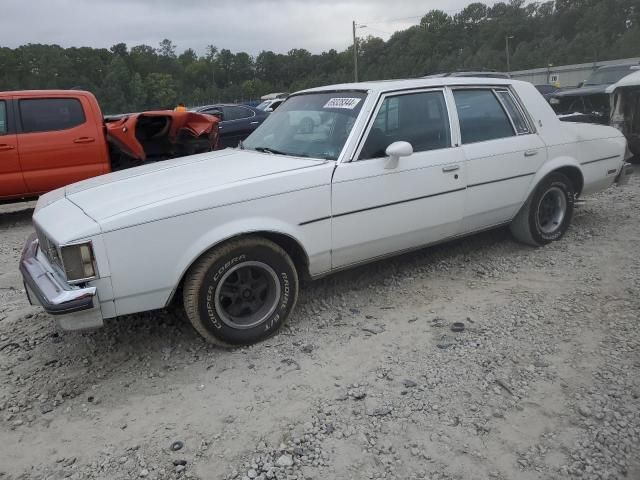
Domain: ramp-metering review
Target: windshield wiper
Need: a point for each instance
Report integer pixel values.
(269, 150)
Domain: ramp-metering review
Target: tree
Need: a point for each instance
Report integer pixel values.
(143, 77)
(167, 49)
(161, 90)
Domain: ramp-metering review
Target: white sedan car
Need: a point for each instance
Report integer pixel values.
(388, 167)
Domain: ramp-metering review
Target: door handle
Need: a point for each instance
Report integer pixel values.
(4, 147)
(84, 140)
(450, 168)
(254, 123)
(530, 153)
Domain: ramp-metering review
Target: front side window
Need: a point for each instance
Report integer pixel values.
(3, 118)
(314, 125)
(418, 118)
(50, 114)
(236, 113)
(515, 113)
(481, 116)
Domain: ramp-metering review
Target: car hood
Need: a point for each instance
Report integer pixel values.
(157, 184)
(578, 92)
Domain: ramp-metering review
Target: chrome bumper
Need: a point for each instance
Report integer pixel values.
(624, 174)
(77, 305)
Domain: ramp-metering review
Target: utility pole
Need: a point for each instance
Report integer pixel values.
(355, 53)
(506, 42)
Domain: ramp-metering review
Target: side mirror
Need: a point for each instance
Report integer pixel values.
(395, 151)
(268, 109)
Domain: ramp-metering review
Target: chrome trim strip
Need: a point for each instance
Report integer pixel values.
(381, 206)
(501, 180)
(600, 159)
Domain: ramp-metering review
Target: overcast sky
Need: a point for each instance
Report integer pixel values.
(241, 25)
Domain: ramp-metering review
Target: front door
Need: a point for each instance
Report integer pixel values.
(11, 179)
(379, 208)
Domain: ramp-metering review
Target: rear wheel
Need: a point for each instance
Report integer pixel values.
(547, 213)
(241, 292)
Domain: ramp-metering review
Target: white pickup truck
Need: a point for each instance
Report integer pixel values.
(392, 166)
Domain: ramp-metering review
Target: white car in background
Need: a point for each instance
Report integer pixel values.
(394, 166)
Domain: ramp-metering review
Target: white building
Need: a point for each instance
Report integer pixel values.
(566, 75)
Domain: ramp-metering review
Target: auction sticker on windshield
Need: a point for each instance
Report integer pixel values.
(348, 103)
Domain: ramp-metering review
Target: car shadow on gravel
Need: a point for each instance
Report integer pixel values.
(12, 218)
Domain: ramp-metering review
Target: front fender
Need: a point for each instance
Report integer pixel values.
(235, 228)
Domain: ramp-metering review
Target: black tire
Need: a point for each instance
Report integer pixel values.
(547, 213)
(225, 297)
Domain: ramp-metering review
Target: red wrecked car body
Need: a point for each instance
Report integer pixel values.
(159, 135)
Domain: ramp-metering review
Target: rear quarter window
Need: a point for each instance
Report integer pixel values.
(50, 114)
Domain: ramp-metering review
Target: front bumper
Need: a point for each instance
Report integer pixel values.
(625, 172)
(76, 308)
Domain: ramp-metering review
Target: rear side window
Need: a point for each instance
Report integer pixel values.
(519, 123)
(3, 118)
(481, 116)
(418, 118)
(50, 114)
(236, 113)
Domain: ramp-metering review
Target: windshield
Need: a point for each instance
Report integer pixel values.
(606, 76)
(314, 125)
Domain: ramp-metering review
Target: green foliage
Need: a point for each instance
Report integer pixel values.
(143, 77)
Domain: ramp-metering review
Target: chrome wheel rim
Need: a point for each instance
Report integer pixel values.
(247, 294)
(551, 210)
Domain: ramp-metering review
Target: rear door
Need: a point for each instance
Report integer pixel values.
(11, 179)
(380, 209)
(503, 153)
(59, 141)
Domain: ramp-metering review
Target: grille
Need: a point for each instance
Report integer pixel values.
(49, 249)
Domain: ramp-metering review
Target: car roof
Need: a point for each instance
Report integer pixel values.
(392, 85)
(45, 93)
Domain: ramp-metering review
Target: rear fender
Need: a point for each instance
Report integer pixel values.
(551, 166)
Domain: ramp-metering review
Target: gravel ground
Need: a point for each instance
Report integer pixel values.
(368, 380)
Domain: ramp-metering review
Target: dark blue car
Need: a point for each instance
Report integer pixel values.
(236, 121)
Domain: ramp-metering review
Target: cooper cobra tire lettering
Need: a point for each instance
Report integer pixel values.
(203, 279)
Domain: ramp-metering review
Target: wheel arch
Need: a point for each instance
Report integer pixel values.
(566, 165)
(286, 241)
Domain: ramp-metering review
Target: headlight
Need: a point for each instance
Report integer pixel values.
(78, 262)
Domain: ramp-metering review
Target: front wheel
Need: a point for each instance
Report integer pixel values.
(241, 292)
(547, 213)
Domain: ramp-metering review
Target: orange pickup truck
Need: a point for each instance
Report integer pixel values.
(52, 138)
